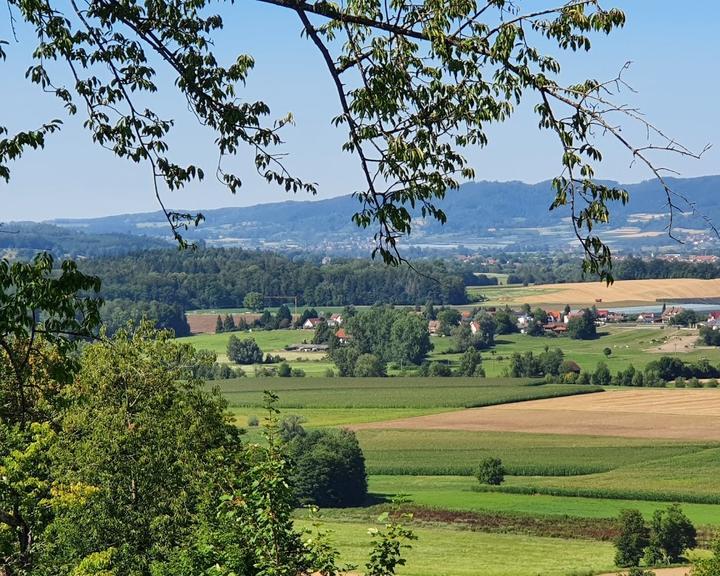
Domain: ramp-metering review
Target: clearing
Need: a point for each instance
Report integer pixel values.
(644, 413)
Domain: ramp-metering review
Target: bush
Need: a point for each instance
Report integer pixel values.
(329, 468)
(712, 383)
(439, 370)
(632, 538)
(283, 370)
(298, 373)
(329, 373)
(607, 351)
(291, 427)
(368, 365)
(252, 421)
(491, 471)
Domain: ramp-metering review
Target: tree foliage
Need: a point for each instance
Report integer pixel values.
(329, 468)
(632, 539)
(244, 350)
(417, 84)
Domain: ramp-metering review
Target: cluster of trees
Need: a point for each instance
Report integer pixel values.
(664, 541)
(117, 313)
(547, 363)
(267, 321)
(225, 278)
(378, 336)
(116, 459)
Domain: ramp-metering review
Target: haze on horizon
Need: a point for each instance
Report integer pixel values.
(673, 50)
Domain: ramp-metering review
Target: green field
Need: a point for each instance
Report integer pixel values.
(459, 493)
(430, 393)
(447, 551)
(268, 340)
(693, 477)
(449, 452)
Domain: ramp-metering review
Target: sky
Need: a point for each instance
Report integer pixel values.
(673, 45)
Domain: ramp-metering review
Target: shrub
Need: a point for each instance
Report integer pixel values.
(283, 370)
(694, 383)
(491, 471)
(439, 370)
(712, 383)
(252, 421)
(298, 373)
(632, 539)
(679, 382)
(329, 373)
(291, 426)
(607, 351)
(240, 373)
(329, 468)
(635, 571)
(368, 365)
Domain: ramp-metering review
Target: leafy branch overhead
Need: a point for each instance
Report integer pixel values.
(418, 84)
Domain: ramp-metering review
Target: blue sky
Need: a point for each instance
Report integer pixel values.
(674, 47)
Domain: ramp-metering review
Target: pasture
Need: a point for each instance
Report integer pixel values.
(620, 293)
(460, 493)
(469, 553)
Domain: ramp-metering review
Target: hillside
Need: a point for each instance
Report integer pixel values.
(481, 215)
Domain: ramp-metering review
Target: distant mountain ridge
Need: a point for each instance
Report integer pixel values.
(481, 215)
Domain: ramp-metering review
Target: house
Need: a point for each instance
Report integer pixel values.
(434, 327)
(474, 326)
(555, 327)
(342, 336)
(335, 320)
(524, 320)
(670, 313)
(616, 317)
(713, 315)
(311, 323)
(649, 318)
(465, 315)
(554, 316)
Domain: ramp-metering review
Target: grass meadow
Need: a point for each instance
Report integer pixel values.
(448, 551)
(459, 493)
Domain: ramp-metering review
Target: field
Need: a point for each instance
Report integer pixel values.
(621, 293)
(469, 553)
(335, 401)
(649, 413)
(573, 460)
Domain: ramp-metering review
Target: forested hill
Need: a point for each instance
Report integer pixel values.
(24, 240)
(163, 284)
(486, 215)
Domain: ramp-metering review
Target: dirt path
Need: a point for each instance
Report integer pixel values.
(643, 413)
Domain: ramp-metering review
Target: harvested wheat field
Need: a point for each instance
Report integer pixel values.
(670, 414)
(624, 292)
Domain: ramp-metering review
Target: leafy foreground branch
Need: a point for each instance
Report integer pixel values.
(123, 463)
(418, 84)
